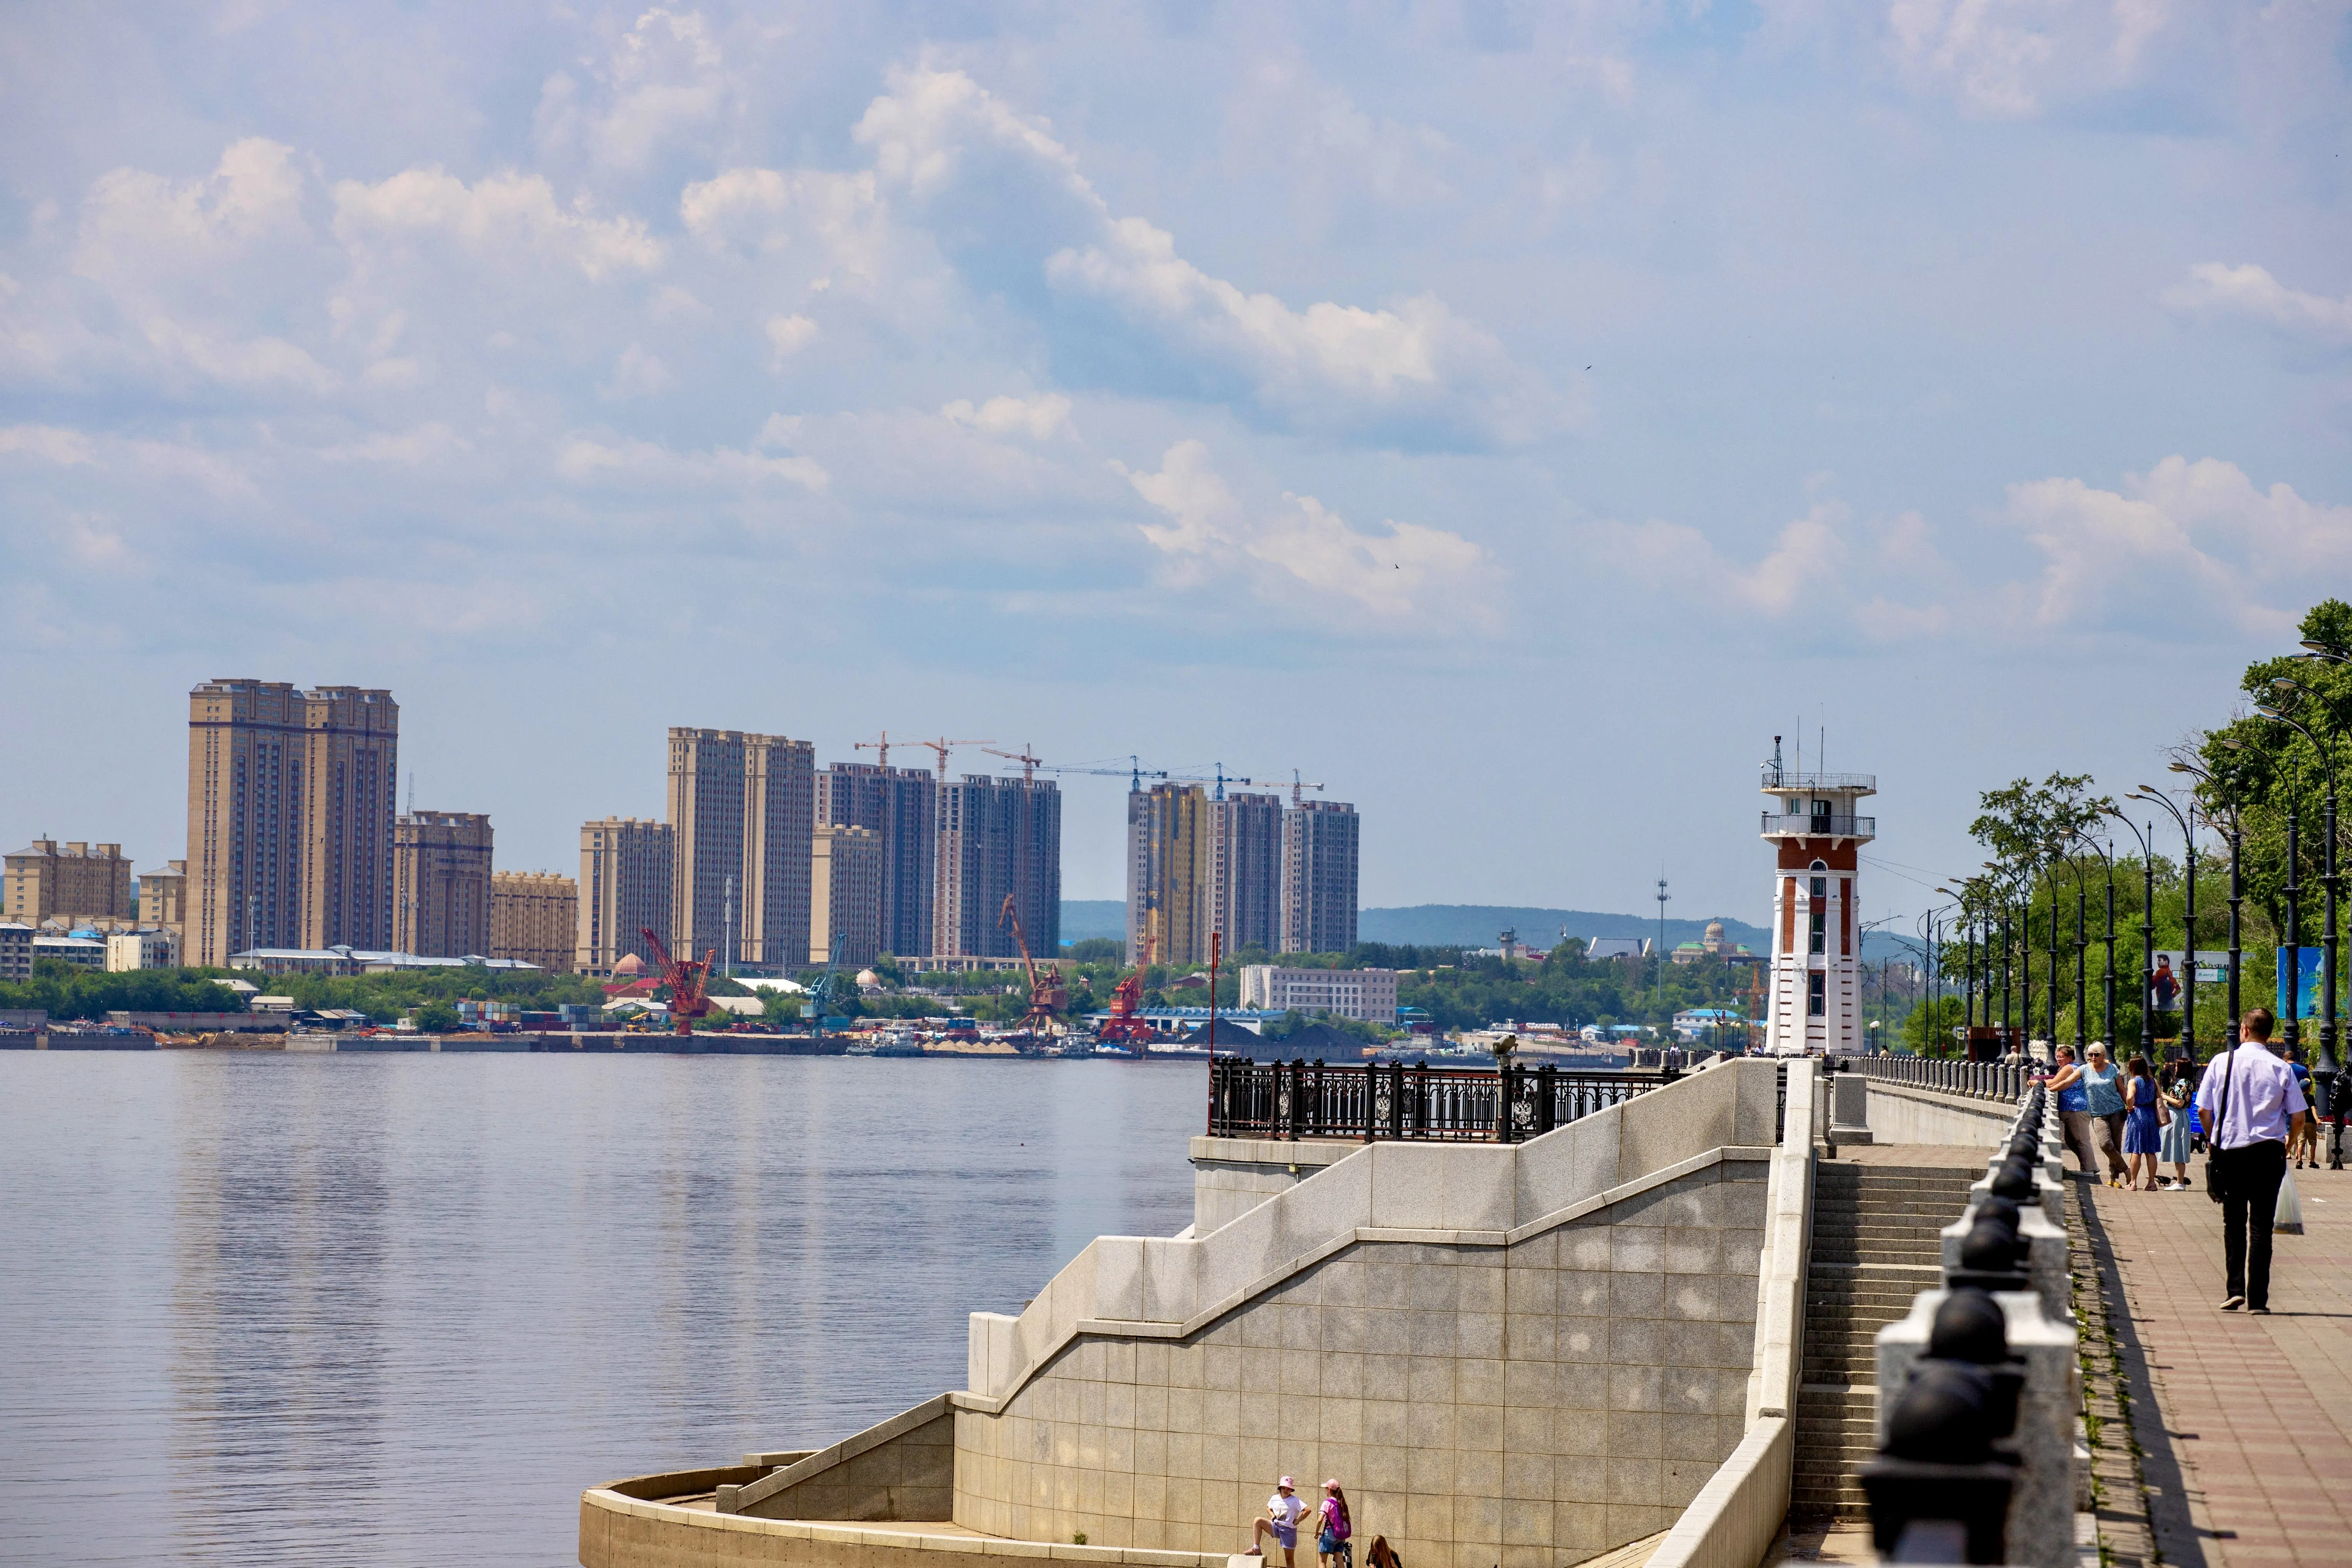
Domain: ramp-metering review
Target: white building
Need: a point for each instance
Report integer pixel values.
(127, 949)
(1368, 995)
(1816, 993)
(82, 952)
(15, 951)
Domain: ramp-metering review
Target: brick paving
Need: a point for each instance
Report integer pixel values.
(2243, 1424)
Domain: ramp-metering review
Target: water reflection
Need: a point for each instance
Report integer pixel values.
(399, 1310)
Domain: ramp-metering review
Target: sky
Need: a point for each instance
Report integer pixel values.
(1510, 417)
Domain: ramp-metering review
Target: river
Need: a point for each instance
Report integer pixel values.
(259, 1308)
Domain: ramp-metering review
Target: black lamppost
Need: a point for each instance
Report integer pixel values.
(2327, 892)
(2146, 924)
(2011, 886)
(1969, 918)
(2189, 924)
(2327, 1069)
(2107, 1006)
(2082, 947)
(2237, 878)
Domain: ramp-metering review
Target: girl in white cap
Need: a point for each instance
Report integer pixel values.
(1281, 1522)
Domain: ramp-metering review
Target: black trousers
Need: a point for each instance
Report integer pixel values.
(2251, 1178)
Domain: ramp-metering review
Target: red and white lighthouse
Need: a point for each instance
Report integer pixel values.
(1816, 1000)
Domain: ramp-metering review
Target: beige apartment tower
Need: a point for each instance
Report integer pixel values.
(845, 879)
(70, 882)
(441, 884)
(162, 895)
(290, 808)
(744, 807)
(626, 865)
(1168, 875)
(534, 917)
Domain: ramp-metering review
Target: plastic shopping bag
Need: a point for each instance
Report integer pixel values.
(2287, 1219)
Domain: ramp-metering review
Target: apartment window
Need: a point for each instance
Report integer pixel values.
(1816, 995)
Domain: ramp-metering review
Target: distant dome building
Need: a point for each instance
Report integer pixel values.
(1713, 941)
(630, 964)
(867, 977)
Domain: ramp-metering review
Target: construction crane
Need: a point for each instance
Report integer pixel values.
(1295, 786)
(1127, 1022)
(879, 745)
(1029, 765)
(684, 978)
(940, 748)
(821, 994)
(1047, 994)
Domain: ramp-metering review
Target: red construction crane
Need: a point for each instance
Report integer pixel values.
(1127, 1021)
(940, 746)
(685, 977)
(1047, 994)
(880, 745)
(1029, 765)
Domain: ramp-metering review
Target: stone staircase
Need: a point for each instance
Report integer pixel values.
(1875, 1248)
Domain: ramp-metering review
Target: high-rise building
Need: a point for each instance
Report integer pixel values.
(743, 807)
(998, 836)
(534, 917)
(290, 804)
(845, 882)
(72, 882)
(1167, 874)
(626, 870)
(901, 805)
(1246, 871)
(441, 884)
(1319, 877)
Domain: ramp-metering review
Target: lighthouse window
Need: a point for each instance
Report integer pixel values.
(1817, 994)
(1820, 932)
(1820, 889)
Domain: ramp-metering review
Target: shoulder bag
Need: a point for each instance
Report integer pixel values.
(2216, 1184)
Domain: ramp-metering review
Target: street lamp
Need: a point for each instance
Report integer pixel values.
(2291, 988)
(2189, 924)
(2327, 1069)
(2107, 1006)
(2146, 924)
(2011, 884)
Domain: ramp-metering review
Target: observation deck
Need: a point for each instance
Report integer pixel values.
(1819, 825)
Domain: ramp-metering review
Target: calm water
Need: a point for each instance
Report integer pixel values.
(400, 1310)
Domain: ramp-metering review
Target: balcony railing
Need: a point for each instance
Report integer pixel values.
(1792, 781)
(1978, 1081)
(1802, 825)
(1371, 1100)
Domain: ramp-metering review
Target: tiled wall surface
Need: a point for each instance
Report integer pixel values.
(908, 1478)
(1528, 1406)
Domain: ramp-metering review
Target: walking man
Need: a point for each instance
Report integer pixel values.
(2251, 1108)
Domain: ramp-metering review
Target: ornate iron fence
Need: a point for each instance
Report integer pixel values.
(1369, 1100)
(1978, 1081)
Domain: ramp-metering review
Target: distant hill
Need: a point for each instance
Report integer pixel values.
(1479, 925)
(1440, 925)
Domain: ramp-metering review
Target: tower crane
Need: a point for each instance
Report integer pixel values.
(1047, 994)
(940, 748)
(880, 745)
(685, 977)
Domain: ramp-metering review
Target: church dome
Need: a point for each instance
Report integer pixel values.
(630, 963)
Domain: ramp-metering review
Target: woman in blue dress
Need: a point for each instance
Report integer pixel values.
(2178, 1088)
(2142, 1141)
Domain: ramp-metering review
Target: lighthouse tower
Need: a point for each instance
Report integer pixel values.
(1816, 937)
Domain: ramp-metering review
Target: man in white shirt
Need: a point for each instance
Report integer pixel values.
(2251, 1106)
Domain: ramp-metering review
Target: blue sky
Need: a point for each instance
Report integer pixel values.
(1510, 415)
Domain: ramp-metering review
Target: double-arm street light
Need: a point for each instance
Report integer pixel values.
(2146, 924)
(2107, 1006)
(2187, 826)
(2237, 878)
(2291, 984)
(2327, 1069)
(1970, 917)
(2009, 884)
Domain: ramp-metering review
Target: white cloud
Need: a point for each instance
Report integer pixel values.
(586, 461)
(1414, 372)
(2249, 290)
(663, 82)
(1801, 572)
(136, 224)
(787, 335)
(759, 212)
(58, 444)
(636, 373)
(2011, 58)
(413, 447)
(1040, 417)
(252, 363)
(510, 219)
(2184, 534)
(1412, 575)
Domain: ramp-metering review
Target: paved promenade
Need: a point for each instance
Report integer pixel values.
(2245, 1423)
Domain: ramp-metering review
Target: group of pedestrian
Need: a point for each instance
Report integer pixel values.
(1334, 1528)
(2127, 1117)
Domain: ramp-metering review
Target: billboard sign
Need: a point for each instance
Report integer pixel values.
(2171, 975)
(2304, 1003)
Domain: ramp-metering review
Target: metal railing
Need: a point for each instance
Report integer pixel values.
(1819, 826)
(1371, 1100)
(1978, 1081)
(1795, 781)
